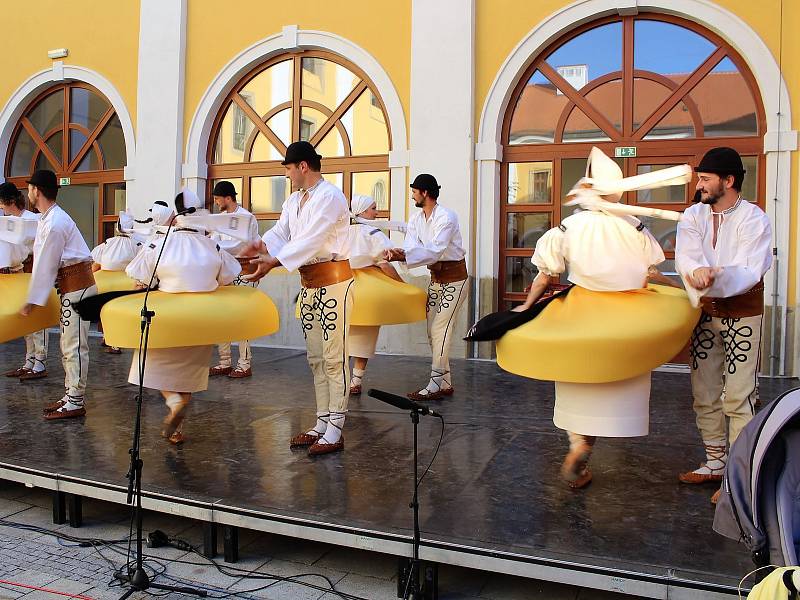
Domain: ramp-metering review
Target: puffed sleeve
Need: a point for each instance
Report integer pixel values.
(548, 256)
(230, 268)
(97, 253)
(141, 267)
(652, 249)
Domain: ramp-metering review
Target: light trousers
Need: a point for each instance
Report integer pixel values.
(75, 343)
(325, 317)
(725, 354)
(224, 349)
(36, 349)
(444, 300)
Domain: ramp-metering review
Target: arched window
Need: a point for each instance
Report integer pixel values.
(313, 96)
(652, 91)
(73, 130)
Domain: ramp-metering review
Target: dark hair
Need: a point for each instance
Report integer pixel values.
(179, 206)
(433, 193)
(17, 201)
(48, 192)
(314, 164)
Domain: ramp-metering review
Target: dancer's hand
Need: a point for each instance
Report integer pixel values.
(703, 277)
(26, 309)
(391, 254)
(264, 264)
(253, 248)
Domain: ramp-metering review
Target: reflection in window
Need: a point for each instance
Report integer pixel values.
(241, 126)
(736, 115)
(673, 194)
(536, 112)
(525, 229)
(520, 273)
(590, 55)
(686, 49)
(677, 123)
(530, 183)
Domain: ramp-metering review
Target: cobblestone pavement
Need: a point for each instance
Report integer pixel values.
(31, 558)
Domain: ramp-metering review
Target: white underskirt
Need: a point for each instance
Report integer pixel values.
(183, 369)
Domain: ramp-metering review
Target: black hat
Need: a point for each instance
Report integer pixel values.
(8, 191)
(721, 161)
(298, 152)
(44, 178)
(224, 188)
(425, 183)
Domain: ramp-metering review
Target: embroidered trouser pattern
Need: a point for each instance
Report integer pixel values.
(75, 343)
(325, 317)
(245, 354)
(725, 355)
(444, 300)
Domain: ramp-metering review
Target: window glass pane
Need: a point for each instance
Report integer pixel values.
(90, 162)
(265, 225)
(112, 143)
(281, 124)
(536, 113)
(375, 185)
(530, 183)
(331, 144)
(334, 178)
(269, 88)
(310, 121)
(326, 82)
(22, 156)
(263, 150)
(525, 229)
(76, 141)
(366, 127)
(750, 183)
(49, 113)
(647, 97)
(520, 273)
(673, 194)
(572, 169)
(590, 55)
(108, 231)
(676, 124)
(82, 202)
(607, 99)
(233, 132)
(55, 143)
(43, 163)
(267, 194)
(237, 185)
(663, 230)
(113, 198)
(686, 49)
(86, 108)
(736, 115)
(580, 128)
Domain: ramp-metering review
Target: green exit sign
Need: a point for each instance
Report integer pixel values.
(63, 181)
(625, 151)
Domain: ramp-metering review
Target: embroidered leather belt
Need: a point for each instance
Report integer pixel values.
(75, 277)
(323, 274)
(27, 264)
(448, 271)
(6, 271)
(749, 304)
(244, 262)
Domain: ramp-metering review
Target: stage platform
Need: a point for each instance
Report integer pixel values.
(493, 499)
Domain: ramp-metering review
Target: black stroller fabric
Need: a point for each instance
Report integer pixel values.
(760, 500)
(89, 309)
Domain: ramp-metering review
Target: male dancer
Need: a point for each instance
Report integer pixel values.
(312, 236)
(61, 258)
(225, 198)
(434, 239)
(723, 250)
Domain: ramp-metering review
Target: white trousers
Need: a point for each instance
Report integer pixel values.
(36, 349)
(325, 317)
(725, 354)
(75, 343)
(444, 300)
(224, 349)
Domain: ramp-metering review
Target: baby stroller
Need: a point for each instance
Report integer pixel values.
(760, 500)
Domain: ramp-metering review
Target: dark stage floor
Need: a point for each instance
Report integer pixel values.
(494, 492)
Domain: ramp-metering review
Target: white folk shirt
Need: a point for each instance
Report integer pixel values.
(367, 245)
(13, 255)
(58, 244)
(229, 243)
(430, 240)
(604, 252)
(743, 250)
(191, 262)
(319, 232)
(116, 252)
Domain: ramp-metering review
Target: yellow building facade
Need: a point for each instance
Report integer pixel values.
(500, 100)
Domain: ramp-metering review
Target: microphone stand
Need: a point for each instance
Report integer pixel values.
(137, 577)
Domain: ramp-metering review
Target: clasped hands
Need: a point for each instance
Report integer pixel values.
(264, 262)
(704, 277)
(394, 254)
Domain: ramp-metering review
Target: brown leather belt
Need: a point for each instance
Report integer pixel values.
(448, 271)
(323, 274)
(75, 277)
(27, 264)
(6, 271)
(749, 304)
(247, 267)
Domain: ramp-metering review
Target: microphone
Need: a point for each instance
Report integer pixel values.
(402, 402)
(187, 211)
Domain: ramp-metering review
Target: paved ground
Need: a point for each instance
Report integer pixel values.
(34, 558)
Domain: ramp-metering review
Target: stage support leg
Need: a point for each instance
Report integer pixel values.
(75, 504)
(59, 508)
(430, 581)
(230, 536)
(209, 539)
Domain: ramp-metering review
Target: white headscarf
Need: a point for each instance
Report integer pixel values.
(160, 213)
(360, 203)
(191, 200)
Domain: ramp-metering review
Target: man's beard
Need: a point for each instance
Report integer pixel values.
(713, 198)
(419, 204)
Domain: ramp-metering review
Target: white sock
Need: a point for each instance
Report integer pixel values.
(716, 459)
(440, 380)
(38, 365)
(358, 375)
(173, 400)
(334, 431)
(320, 426)
(30, 362)
(71, 403)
